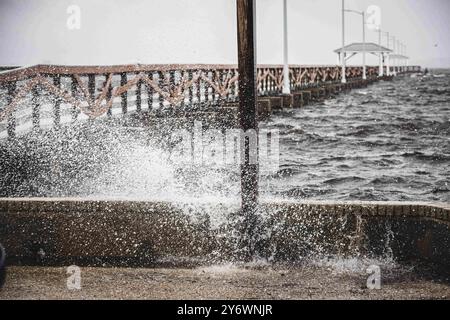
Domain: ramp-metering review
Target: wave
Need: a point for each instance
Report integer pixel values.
(306, 192)
(388, 180)
(435, 157)
(343, 180)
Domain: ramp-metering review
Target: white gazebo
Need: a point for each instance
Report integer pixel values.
(351, 50)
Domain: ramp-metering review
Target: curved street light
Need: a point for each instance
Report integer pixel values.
(343, 55)
(363, 14)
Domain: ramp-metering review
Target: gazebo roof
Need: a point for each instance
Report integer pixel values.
(370, 47)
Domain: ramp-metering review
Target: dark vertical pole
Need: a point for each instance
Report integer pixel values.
(191, 93)
(206, 88)
(123, 81)
(150, 93)
(265, 85)
(171, 83)
(160, 97)
(108, 95)
(36, 107)
(138, 96)
(246, 20)
(12, 117)
(213, 92)
(74, 95)
(91, 86)
(57, 110)
(198, 87)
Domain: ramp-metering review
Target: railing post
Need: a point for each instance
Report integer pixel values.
(150, 93)
(57, 109)
(91, 87)
(172, 84)
(12, 117)
(190, 90)
(190, 93)
(198, 87)
(73, 89)
(108, 96)
(138, 96)
(206, 87)
(160, 97)
(247, 114)
(123, 81)
(35, 110)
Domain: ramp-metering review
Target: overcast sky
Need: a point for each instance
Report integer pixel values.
(204, 31)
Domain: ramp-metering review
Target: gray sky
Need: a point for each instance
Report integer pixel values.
(204, 31)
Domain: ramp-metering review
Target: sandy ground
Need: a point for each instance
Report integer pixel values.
(217, 282)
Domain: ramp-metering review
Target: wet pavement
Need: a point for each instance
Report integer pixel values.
(220, 282)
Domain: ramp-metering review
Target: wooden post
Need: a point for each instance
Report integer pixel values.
(198, 87)
(150, 94)
(139, 96)
(171, 82)
(191, 93)
(207, 86)
(73, 87)
(123, 81)
(109, 96)
(91, 86)
(246, 25)
(161, 77)
(57, 109)
(36, 108)
(12, 118)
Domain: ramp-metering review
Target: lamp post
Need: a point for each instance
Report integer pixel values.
(387, 62)
(393, 60)
(363, 14)
(286, 82)
(343, 77)
(381, 69)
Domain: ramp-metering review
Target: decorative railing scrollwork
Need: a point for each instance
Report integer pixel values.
(68, 93)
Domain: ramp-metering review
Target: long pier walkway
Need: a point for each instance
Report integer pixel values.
(46, 96)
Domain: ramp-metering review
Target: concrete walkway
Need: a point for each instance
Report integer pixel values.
(219, 282)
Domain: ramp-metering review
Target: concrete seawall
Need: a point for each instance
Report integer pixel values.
(127, 233)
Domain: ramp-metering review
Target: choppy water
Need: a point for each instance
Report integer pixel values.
(390, 141)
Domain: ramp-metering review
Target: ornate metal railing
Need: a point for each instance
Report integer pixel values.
(47, 96)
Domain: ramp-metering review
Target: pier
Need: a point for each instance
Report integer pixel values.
(48, 111)
(60, 95)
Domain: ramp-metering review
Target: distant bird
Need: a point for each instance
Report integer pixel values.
(2, 266)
